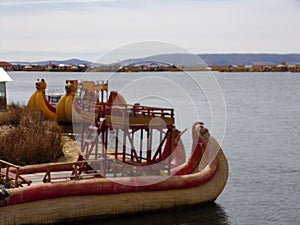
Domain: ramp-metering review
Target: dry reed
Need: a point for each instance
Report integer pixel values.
(27, 141)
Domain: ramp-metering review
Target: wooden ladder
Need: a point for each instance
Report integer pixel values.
(90, 142)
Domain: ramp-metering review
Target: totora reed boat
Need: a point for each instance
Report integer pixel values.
(119, 171)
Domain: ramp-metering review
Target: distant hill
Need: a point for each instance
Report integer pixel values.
(172, 59)
(43, 63)
(193, 60)
(249, 59)
(220, 59)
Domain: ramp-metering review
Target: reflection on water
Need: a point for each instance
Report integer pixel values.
(212, 214)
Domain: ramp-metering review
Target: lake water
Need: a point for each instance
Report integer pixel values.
(261, 139)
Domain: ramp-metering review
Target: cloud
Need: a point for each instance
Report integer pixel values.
(88, 27)
(41, 2)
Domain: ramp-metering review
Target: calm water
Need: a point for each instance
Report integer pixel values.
(261, 142)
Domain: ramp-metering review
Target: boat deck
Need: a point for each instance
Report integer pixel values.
(58, 176)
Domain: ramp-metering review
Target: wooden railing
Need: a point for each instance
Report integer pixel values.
(11, 175)
(76, 173)
(127, 110)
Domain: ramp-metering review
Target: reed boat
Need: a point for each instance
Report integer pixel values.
(119, 171)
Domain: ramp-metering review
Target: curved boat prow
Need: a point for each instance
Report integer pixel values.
(173, 148)
(65, 104)
(38, 101)
(49, 106)
(115, 98)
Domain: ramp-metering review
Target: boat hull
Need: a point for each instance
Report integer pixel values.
(107, 205)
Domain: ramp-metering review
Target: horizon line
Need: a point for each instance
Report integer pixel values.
(219, 53)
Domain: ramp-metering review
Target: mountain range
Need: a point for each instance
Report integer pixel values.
(194, 60)
(47, 62)
(250, 59)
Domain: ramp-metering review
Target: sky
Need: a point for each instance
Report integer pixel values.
(36, 30)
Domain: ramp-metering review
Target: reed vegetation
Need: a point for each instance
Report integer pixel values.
(27, 139)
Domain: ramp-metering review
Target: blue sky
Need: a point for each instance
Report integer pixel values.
(60, 29)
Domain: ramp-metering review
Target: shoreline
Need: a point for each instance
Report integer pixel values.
(224, 68)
